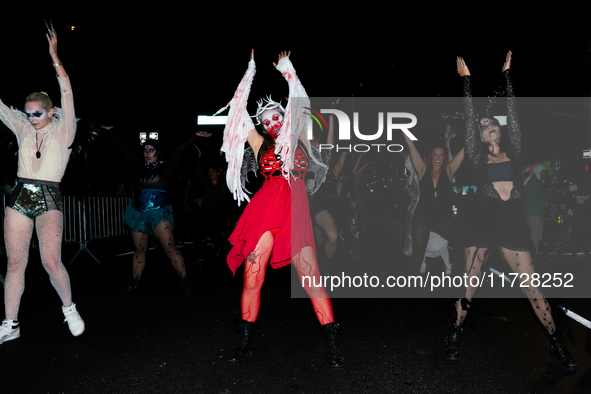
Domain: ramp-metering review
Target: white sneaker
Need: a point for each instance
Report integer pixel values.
(423, 268)
(448, 269)
(75, 322)
(9, 330)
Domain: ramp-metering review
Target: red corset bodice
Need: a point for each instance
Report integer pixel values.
(271, 165)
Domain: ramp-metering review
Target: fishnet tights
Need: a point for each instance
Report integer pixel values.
(18, 230)
(164, 233)
(521, 263)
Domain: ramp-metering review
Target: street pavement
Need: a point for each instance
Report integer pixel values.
(156, 340)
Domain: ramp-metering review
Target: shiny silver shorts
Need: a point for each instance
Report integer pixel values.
(33, 197)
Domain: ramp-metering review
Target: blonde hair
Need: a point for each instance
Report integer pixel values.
(40, 96)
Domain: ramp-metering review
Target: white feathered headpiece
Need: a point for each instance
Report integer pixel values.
(262, 107)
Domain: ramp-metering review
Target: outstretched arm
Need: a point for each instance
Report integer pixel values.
(129, 154)
(456, 161)
(294, 120)
(239, 129)
(255, 140)
(512, 121)
(52, 40)
(469, 114)
(417, 161)
(176, 156)
(67, 100)
(330, 136)
(327, 156)
(294, 123)
(338, 167)
(14, 119)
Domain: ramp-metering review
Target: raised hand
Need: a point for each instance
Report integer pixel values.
(461, 67)
(52, 39)
(507, 64)
(281, 56)
(448, 138)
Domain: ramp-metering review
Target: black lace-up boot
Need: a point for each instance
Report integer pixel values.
(131, 287)
(560, 352)
(337, 358)
(452, 343)
(245, 343)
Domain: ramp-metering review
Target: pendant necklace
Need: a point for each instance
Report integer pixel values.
(38, 154)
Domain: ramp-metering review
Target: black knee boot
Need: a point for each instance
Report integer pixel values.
(452, 343)
(337, 358)
(560, 352)
(245, 343)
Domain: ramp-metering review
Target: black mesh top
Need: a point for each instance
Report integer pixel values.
(478, 156)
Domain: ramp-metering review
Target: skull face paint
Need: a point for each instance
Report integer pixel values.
(150, 154)
(272, 120)
(38, 116)
(490, 130)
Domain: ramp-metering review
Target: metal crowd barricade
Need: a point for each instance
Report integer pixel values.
(95, 217)
(85, 219)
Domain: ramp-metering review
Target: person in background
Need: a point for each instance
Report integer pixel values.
(535, 202)
(150, 210)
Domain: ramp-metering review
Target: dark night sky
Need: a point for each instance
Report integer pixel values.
(159, 69)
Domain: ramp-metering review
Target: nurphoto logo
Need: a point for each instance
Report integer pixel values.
(344, 134)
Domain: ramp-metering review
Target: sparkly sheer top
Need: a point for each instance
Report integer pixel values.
(54, 139)
(478, 156)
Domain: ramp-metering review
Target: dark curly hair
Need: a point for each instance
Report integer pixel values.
(505, 145)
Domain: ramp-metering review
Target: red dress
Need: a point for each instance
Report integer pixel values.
(276, 206)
